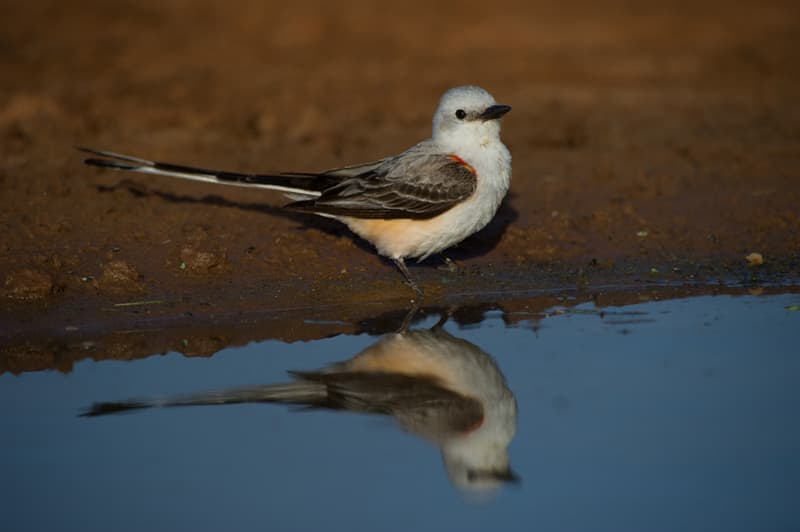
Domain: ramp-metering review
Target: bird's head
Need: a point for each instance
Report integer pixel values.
(467, 115)
(480, 472)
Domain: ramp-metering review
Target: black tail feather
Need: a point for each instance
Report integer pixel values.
(301, 181)
(108, 163)
(102, 409)
(114, 155)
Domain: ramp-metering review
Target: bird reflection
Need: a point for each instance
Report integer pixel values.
(437, 386)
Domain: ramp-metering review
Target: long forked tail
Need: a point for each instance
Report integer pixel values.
(298, 393)
(304, 184)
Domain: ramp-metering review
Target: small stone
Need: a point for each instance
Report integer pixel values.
(754, 259)
(119, 271)
(202, 261)
(119, 275)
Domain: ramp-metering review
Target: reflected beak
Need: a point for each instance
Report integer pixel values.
(494, 112)
(507, 475)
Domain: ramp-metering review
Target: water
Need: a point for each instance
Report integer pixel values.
(671, 415)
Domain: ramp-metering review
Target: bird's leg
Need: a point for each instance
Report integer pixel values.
(449, 265)
(401, 265)
(409, 317)
(443, 318)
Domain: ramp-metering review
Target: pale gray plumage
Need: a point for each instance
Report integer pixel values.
(450, 185)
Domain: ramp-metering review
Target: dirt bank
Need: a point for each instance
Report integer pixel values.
(656, 142)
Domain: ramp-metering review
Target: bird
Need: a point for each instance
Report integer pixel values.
(437, 386)
(412, 205)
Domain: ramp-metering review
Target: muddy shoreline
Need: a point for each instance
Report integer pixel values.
(157, 327)
(653, 145)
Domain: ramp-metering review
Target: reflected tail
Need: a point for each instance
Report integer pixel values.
(299, 393)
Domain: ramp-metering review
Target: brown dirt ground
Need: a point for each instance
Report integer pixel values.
(653, 143)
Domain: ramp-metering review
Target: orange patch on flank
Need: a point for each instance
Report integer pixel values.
(462, 162)
(475, 426)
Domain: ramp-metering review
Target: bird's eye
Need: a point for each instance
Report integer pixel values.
(460, 114)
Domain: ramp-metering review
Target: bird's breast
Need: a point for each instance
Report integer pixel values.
(413, 238)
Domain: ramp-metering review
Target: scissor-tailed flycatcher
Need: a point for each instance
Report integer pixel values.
(428, 198)
(438, 387)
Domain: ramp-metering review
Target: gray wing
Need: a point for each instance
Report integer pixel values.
(421, 403)
(414, 185)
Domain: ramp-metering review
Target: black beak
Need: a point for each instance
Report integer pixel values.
(494, 112)
(505, 475)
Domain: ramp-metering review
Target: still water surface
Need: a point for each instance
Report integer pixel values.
(672, 415)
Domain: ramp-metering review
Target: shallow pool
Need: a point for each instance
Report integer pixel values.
(670, 415)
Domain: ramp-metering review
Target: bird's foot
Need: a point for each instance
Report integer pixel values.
(401, 265)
